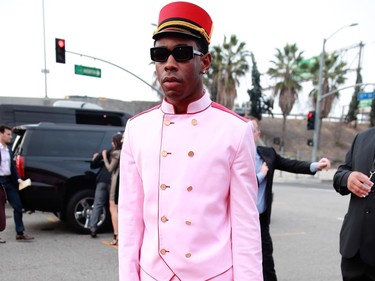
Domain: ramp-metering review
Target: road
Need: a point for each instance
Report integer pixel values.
(306, 221)
(305, 225)
(56, 253)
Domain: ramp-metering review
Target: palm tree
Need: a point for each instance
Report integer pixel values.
(334, 71)
(229, 64)
(334, 75)
(287, 72)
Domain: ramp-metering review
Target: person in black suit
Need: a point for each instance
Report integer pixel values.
(8, 180)
(267, 161)
(357, 236)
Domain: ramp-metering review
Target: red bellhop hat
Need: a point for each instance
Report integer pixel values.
(185, 19)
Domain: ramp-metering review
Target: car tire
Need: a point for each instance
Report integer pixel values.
(78, 212)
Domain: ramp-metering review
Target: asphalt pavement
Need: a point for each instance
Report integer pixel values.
(306, 219)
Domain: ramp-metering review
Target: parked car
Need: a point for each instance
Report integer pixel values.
(19, 114)
(56, 157)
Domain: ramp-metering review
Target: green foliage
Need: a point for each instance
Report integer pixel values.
(258, 104)
(353, 106)
(287, 73)
(334, 75)
(229, 64)
(372, 113)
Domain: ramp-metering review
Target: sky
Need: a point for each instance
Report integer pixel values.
(120, 32)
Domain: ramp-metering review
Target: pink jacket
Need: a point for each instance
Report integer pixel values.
(187, 203)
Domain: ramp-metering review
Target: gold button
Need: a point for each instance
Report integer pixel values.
(164, 219)
(167, 122)
(188, 222)
(188, 255)
(190, 188)
(163, 186)
(194, 122)
(164, 153)
(163, 251)
(191, 153)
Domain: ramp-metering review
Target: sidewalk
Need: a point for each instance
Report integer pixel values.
(322, 176)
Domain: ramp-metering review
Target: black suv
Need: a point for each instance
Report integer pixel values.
(56, 157)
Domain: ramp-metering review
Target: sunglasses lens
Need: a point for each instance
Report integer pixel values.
(159, 54)
(184, 53)
(180, 54)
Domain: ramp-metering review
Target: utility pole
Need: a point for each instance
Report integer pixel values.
(320, 93)
(45, 70)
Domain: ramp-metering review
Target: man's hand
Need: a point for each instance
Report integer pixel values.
(264, 169)
(324, 164)
(94, 156)
(359, 184)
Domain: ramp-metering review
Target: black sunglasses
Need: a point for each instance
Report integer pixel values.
(180, 54)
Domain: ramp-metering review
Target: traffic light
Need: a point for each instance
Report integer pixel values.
(311, 120)
(60, 50)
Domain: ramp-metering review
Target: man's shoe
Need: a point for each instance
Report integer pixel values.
(93, 234)
(2, 241)
(24, 237)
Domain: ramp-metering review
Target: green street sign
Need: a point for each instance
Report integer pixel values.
(88, 71)
(364, 103)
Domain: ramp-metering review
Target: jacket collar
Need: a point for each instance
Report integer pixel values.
(194, 107)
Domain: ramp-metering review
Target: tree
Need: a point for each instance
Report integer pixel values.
(353, 106)
(372, 113)
(286, 72)
(258, 104)
(256, 92)
(229, 64)
(334, 72)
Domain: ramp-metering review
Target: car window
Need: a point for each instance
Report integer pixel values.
(65, 143)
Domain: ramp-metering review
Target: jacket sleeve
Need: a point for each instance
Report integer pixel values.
(246, 242)
(292, 165)
(130, 213)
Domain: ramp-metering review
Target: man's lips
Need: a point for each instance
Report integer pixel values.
(170, 79)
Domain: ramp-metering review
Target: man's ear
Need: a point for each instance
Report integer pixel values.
(206, 62)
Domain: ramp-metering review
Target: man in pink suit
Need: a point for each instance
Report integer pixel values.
(187, 202)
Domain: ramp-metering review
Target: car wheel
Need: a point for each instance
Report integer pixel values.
(79, 209)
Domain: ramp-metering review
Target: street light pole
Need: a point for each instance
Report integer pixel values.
(320, 93)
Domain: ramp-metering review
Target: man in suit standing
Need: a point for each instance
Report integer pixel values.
(357, 236)
(8, 179)
(267, 161)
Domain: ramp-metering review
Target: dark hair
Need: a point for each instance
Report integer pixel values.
(3, 128)
(117, 141)
(202, 45)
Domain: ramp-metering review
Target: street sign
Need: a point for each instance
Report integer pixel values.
(88, 71)
(364, 103)
(365, 95)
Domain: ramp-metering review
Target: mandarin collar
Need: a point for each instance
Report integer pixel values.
(194, 107)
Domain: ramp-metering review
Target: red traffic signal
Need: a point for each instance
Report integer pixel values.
(60, 50)
(311, 120)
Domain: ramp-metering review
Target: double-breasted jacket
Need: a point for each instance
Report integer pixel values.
(187, 201)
